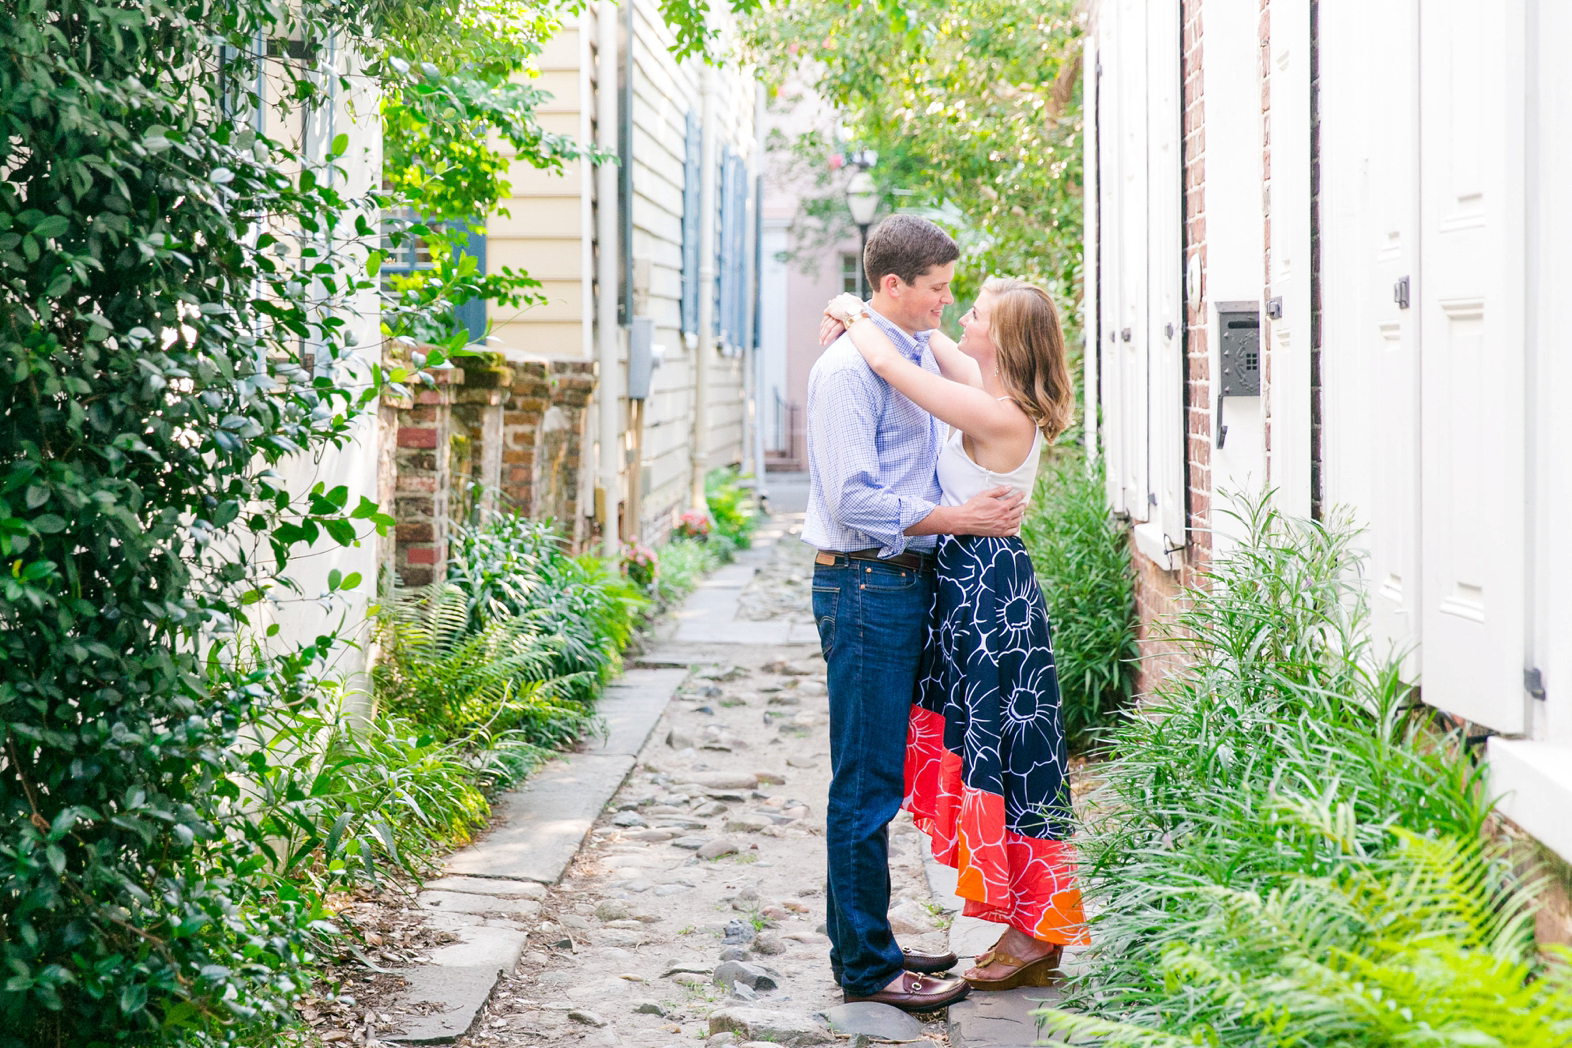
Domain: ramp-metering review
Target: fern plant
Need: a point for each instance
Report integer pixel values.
(512, 566)
(440, 674)
(1431, 945)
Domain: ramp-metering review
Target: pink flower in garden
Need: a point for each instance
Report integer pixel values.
(692, 525)
(837, 161)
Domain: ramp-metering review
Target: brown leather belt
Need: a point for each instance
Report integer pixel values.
(914, 560)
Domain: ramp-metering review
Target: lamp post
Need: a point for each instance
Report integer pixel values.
(862, 199)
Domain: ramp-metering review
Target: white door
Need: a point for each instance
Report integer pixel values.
(1287, 338)
(1472, 307)
(1121, 115)
(1369, 210)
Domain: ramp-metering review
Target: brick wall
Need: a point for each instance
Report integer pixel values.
(516, 430)
(423, 483)
(543, 441)
(1158, 593)
(1198, 384)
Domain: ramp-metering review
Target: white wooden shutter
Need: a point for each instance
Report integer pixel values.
(1472, 299)
(1129, 295)
(1288, 385)
(1369, 210)
(1164, 272)
(1110, 251)
(1091, 261)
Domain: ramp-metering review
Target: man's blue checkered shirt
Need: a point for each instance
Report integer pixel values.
(871, 452)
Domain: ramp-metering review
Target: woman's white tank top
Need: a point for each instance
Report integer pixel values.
(961, 478)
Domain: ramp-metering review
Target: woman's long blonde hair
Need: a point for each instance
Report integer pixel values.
(1030, 352)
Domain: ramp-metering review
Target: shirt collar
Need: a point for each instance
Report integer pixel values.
(911, 346)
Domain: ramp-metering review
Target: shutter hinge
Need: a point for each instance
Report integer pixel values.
(1400, 293)
(1274, 307)
(1534, 683)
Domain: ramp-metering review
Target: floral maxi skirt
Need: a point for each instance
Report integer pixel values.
(986, 763)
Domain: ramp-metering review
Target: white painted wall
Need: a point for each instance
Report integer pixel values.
(304, 617)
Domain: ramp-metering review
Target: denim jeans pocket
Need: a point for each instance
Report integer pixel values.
(825, 602)
(882, 578)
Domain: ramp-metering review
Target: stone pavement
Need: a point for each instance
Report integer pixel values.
(666, 885)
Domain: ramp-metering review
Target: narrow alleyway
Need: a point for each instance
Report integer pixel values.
(701, 887)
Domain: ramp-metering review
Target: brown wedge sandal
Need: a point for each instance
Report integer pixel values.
(1040, 972)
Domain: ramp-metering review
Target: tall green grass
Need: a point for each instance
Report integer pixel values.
(1284, 851)
(1082, 559)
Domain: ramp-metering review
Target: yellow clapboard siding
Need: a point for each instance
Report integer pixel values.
(548, 259)
(557, 340)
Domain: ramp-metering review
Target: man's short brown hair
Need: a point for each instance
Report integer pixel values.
(907, 246)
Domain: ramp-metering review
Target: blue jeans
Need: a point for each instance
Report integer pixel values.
(871, 618)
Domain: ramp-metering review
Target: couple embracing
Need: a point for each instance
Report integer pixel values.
(943, 695)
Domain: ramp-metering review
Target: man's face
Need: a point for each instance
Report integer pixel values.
(920, 304)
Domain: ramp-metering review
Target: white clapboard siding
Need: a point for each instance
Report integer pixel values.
(1288, 389)
(1472, 302)
(1369, 208)
(1164, 277)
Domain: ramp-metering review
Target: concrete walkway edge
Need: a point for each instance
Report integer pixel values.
(541, 829)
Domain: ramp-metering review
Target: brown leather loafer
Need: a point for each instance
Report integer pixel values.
(918, 993)
(928, 963)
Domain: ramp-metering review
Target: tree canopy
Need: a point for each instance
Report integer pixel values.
(972, 109)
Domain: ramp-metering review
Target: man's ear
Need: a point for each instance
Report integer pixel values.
(891, 285)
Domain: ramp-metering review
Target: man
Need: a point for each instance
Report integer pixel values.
(873, 514)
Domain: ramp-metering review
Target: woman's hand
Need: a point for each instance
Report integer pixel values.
(835, 313)
(830, 329)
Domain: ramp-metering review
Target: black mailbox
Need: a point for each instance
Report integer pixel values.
(1241, 349)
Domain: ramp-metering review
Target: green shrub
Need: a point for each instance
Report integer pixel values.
(1430, 945)
(514, 566)
(732, 509)
(336, 795)
(1082, 559)
(682, 563)
(441, 675)
(1287, 767)
(152, 375)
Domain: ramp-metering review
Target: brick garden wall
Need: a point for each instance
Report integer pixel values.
(517, 431)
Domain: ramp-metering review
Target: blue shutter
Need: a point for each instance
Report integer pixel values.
(691, 177)
(471, 315)
(739, 255)
(720, 247)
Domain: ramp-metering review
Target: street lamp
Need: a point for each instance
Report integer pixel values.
(862, 199)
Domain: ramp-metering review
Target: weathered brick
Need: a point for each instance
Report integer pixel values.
(417, 436)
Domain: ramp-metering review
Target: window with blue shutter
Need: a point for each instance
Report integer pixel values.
(739, 255)
(413, 255)
(725, 326)
(691, 177)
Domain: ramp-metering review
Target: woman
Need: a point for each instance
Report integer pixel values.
(986, 764)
